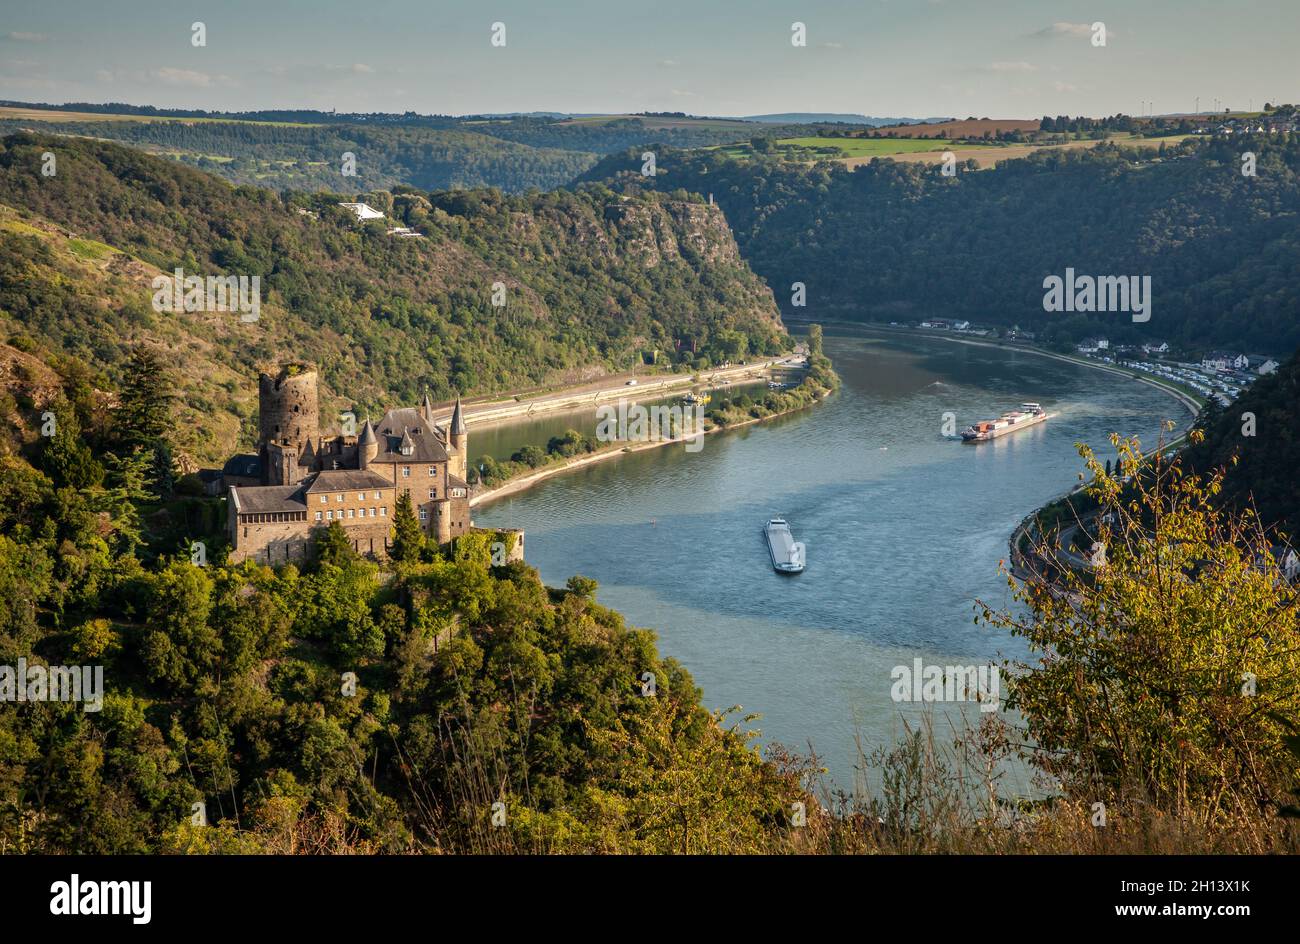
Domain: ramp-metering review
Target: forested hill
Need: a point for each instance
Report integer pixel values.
(305, 150)
(593, 282)
(891, 240)
(1265, 445)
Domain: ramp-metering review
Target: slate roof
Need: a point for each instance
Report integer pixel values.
(260, 499)
(457, 420)
(408, 421)
(342, 480)
(263, 499)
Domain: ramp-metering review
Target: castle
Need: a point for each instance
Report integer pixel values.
(300, 481)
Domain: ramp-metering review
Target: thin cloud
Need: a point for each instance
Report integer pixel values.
(188, 78)
(1066, 29)
(21, 37)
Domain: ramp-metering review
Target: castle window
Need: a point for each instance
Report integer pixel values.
(383, 511)
(329, 516)
(318, 516)
(349, 512)
(324, 499)
(377, 496)
(338, 497)
(406, 471)
(432, 470)
(424, 515)
(361, 496)
(372, 512)
(433, 493)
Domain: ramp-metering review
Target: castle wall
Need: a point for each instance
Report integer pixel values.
(270, 542)
(282, 541)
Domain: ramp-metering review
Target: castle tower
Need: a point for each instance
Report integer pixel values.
(367, 445)
(288, 421)
(426, 409)
(459, 437)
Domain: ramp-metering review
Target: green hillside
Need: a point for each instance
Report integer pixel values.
(592, 281)
(891, 240)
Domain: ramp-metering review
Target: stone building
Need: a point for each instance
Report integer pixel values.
(307, 481)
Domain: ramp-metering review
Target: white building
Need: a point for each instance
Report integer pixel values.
(1222, 361)
(363, 211)
(1152, 348)
(1268, 367)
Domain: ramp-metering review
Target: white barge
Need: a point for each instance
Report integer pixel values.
(787, 553)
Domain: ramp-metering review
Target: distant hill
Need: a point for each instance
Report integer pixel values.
(816, 117)
(888, 240)
(592, 281)
(303, 149)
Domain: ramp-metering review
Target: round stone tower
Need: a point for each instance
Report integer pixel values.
(288, 421)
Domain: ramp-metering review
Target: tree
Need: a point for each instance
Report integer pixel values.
(1159, 675)
(65, 457)
(815, 339)
(408, 536)
(144, 413)
(332, 546)
(582, 586)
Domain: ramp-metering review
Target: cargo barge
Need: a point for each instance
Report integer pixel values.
(1029, 414)
(787, 553)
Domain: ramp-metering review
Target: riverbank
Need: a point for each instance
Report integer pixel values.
(619, 386)
(527, 481)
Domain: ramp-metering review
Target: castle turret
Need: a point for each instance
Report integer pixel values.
(367, 445)
(459, 441)
(426, 409)
(288, 421)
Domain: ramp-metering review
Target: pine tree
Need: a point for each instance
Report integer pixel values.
(144, 413)
(408, 538)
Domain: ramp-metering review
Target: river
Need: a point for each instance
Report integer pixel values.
(904, 529)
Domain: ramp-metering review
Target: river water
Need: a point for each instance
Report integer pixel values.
(904, 529)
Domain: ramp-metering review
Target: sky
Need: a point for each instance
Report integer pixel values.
(889, 58)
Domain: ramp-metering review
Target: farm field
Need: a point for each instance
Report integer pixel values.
(990, 156)
(970, 128)
(851, 151)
